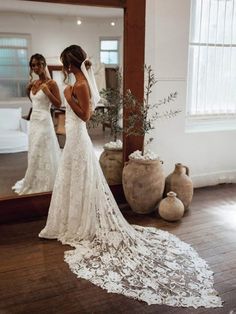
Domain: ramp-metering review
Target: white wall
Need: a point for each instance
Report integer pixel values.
(51, 34)
(211, 155)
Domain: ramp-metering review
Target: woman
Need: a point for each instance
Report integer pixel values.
(44, 150)
(143, 263)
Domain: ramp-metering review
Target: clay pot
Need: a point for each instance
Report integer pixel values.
(171, 208)
(143, 184)
(111, 162)
(180, 183)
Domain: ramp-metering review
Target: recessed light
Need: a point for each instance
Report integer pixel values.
(79, 22)
(113, 23)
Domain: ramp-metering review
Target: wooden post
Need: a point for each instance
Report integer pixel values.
(134, 54)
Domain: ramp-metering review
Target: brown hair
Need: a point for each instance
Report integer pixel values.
(74, 55)
(39, 58)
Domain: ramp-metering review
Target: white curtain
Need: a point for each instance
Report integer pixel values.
(212, 58)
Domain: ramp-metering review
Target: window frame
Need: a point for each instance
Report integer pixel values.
(28, 48)
(204, 121)
(113, 38)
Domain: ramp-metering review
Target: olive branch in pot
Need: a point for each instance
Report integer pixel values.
(112, 99)
(142, 115)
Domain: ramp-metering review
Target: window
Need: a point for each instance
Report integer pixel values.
(109, 51)
(212, 58)
(14, 71)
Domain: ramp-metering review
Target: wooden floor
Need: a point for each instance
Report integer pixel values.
(35, 279)
(12, 169)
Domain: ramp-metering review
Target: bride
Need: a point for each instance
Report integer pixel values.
(44, 150)
(142, 263)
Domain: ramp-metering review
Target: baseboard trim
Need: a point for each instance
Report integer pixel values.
(209, 179)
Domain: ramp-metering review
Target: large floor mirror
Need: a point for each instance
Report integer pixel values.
(50, 27)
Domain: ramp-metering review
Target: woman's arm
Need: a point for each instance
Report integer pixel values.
(80, 101)
(28, 89)
(52, 91)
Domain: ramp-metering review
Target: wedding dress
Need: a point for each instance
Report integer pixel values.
(44, 151)
(142, 263)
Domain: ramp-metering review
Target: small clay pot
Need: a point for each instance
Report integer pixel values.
(171, 208)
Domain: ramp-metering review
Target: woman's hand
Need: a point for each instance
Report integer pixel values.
(51, 90)
(45, 88)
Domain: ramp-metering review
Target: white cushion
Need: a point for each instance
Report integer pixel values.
(13, 141)
(24, 125)
(10, 118)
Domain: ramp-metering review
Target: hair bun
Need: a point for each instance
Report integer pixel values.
(87, 64)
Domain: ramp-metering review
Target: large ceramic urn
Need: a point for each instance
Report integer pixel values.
(180, 182)
(111, 162)
(143, 184)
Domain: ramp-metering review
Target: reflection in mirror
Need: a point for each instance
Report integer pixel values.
(43, 147)
(46, 28)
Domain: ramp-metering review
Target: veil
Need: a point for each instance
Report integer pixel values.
(47, 72)
(89, 75)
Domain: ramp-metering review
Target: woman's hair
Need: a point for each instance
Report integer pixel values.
(38, 57)
(73, 55)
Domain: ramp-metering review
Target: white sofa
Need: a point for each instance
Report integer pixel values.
(13, 131)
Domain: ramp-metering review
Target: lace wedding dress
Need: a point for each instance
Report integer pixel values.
(142, 263)
(44, 151)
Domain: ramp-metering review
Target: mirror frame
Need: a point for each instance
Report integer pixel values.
(36, 205)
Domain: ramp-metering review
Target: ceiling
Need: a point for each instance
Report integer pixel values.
(58, 9)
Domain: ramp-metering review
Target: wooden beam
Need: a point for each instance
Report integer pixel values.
(134, 56)
(36, 205)
(99, 3)
(24, 207)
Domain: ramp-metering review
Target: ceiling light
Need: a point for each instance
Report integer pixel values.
(113, 23)
(79, 22)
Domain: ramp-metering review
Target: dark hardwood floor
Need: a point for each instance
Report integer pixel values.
(35, 279)
(12, 169)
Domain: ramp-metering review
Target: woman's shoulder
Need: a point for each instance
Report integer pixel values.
(51, 82)
(82, 88)
(81, 84)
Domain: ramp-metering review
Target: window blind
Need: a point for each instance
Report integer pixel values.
(211, 86)
(14, 71)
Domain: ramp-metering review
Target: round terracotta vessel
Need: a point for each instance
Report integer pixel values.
(171, 208)
(143, 184)
(111, 162)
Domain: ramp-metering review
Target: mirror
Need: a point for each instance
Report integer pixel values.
(15, 207)
(48, 30)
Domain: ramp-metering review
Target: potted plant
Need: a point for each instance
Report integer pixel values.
(111, 159)
(143, 176)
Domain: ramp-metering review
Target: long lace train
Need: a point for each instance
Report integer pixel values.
(143, 263)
